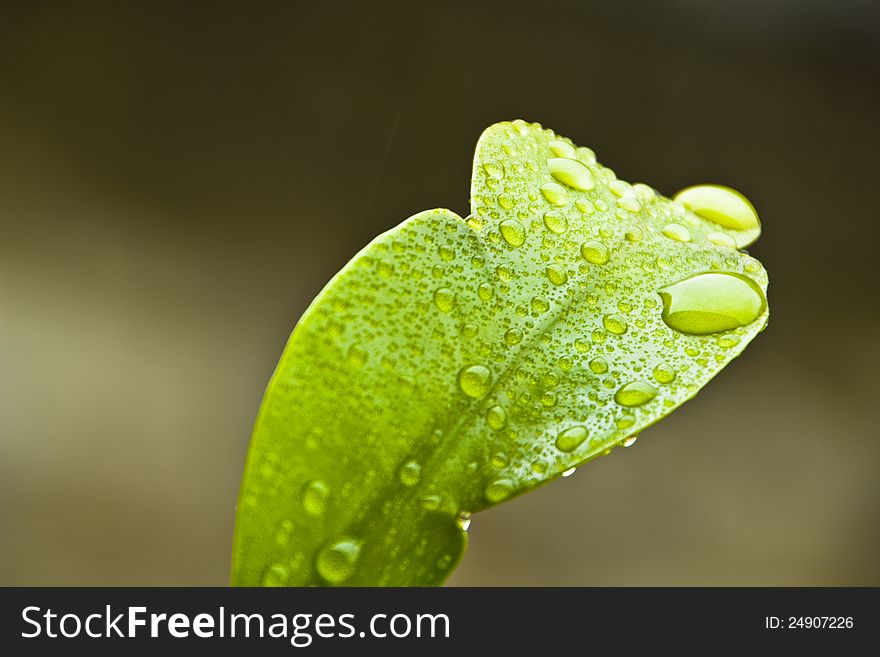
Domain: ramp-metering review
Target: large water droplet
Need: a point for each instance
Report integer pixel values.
(337, 561)
(562, 149)
(570, 439)
(676, 232)
(614, 324)
(513, 232)
(712, 302)
(409, 473)
(555, 222)
(554, 194)
(315, 496)
(595, 253)
(635, 393)
(474, 380)
(498, 490)
(721, 205)
(496, 418)
(557, 275)
(444, 299)
(572, 173)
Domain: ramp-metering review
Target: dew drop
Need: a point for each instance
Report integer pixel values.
(410, 473)
(635, 393)
(315, 497)
(570, 439)
(664, 373)
(485, 291)
(513, 232)
(276, 574)
(572, 173)
(599, 366)
(721, 239)
(444, 299)
(539, 306)
(634, 234)
(474, 380)
(562, 149)
(506, 201)
(463, 521)
(614, 324)
(721, 205)
(712, 302)
(555, 222)
(498, 490)
(496, 418)
(337, 561)
(556, 274)
(569, 472)
(629, 441)
(512, 337)
(555, 194)
(595, 253)
(676, 232)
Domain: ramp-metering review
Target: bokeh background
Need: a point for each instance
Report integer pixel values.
(178, 180)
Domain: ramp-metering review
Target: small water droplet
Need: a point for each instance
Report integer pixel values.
(337, 561)
(315, 497)
(677, 232)
(599, 365)
(512, 337)
(569, 472)
(444, 299)
(557, 275)
(721, 205)
(629, 441)
(410, 473)
(539, 306)
(664, 373)
(474, 380)
(506, 201)
(513, 232)
(283, 532)
(276, 574)
(712, 302)
(722, 239)
(463, 521)
(634, 234)
(570, 439)
(555, 222)
(485, 291)
(635, 393)
(572, 173)
(498, 490)
(595, 253)
(496, 418)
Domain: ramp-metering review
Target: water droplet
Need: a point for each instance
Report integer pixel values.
(635, 393)
(444, 299)
(485, 291)
(410, 473)
(634, 234)
(315, 497)
(728, 341)
(446, 253)
(493, 168)
(556, 274)
(513, 232)
(599, 365)
(721, 205)
(570, 439)
(572, 173)
(496, 418)
(712, 302)
(506, 201)
(614, 324)
(474, 380)
(276, 574)
(569, 472)
(664, 373)
(539, 306)
(595, 253)
(444, 562)
(629, 441)
(283, 532)
(562, 149)
(676, 232)
(357, 355)
(555, 194)
(512, 337)
(555, 222)
(498, 490)
(337, 561)
(463, 521)
(629, 203)
(721, 239)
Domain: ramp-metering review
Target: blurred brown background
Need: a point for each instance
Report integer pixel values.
(178, 180)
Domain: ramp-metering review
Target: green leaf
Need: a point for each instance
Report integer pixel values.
(456, 363)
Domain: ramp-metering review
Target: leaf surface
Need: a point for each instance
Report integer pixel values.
(455, 363)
